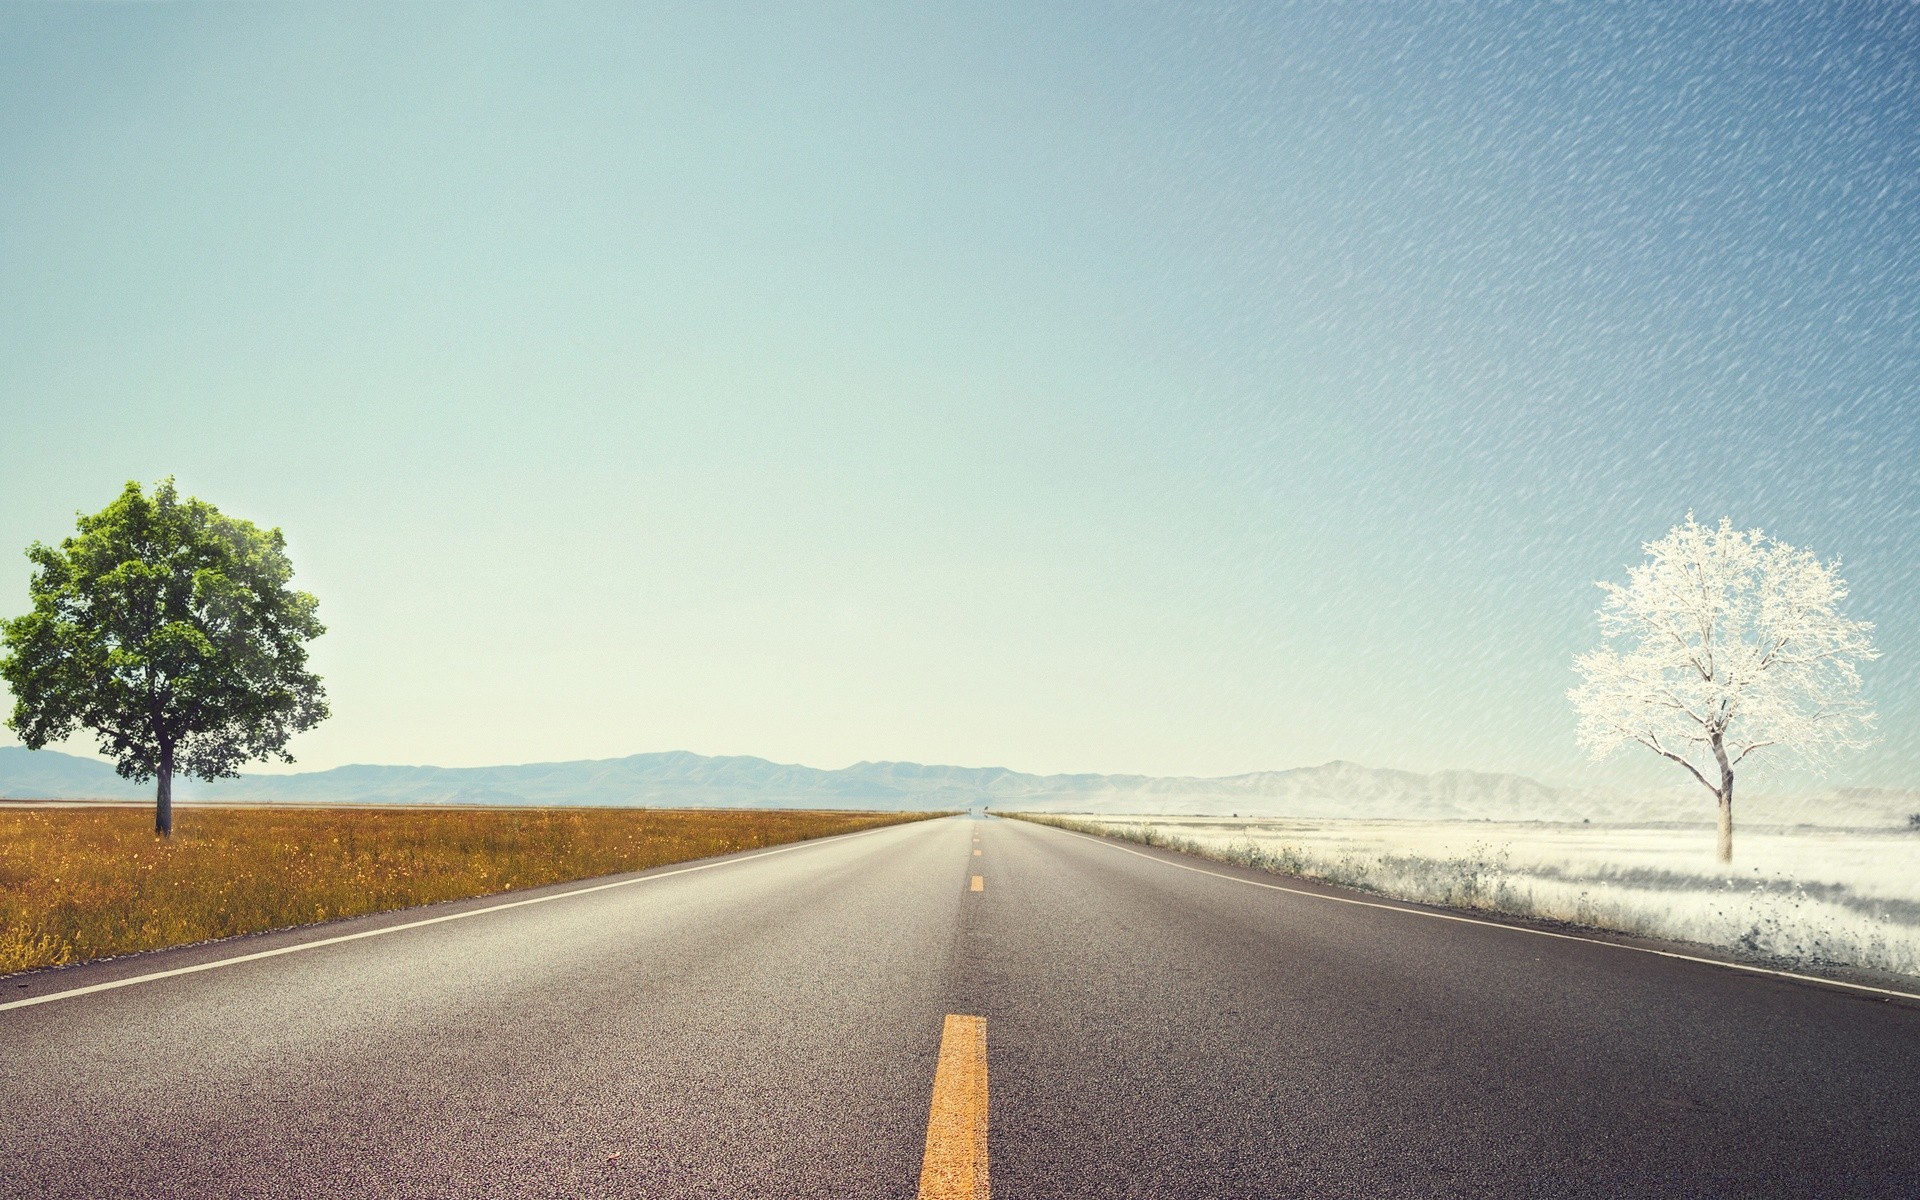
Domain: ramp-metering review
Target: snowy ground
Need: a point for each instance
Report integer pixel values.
(1801, 895)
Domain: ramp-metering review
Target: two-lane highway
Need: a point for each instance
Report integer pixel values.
(773, 1025)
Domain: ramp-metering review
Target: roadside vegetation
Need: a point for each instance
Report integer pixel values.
(1810, 898)
(84, 883)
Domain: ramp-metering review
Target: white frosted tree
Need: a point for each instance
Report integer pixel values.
(1723, 644)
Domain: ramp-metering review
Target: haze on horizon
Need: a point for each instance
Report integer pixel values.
(1192, 391)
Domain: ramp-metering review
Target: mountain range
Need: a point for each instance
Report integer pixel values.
(679, 779)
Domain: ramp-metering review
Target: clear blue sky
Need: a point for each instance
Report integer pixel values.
(1187, 389)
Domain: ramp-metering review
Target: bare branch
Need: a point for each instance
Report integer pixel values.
(1652, 743)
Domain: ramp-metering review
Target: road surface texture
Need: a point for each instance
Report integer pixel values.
(770, 1026)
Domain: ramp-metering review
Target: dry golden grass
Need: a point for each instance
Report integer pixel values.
(78, 883)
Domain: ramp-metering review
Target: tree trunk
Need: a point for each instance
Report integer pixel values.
(1725, 795)
(163, 801)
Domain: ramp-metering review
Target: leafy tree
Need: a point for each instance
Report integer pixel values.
(1729, 644)
(173, 633)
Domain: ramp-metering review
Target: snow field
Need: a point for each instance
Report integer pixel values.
(1796, 897)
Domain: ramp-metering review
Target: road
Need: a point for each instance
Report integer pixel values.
(770, 1026)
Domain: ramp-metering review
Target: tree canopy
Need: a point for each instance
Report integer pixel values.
(173, 633)
(1723, 644)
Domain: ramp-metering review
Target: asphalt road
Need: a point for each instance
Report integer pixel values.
(770, 1028)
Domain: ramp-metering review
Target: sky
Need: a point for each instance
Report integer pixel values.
(1185, 389)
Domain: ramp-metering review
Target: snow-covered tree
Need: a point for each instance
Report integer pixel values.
(1721, 645)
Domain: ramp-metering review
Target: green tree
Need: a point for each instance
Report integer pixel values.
(172, 632)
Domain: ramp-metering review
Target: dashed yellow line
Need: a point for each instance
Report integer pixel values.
(979, 884)
(976, 854)
(955, 1164)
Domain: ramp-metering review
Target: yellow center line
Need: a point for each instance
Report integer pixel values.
(979, 884)
(976, 854)
(955, 1164)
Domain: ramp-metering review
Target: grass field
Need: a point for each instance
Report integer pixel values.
(1794, 896)
(84, 883)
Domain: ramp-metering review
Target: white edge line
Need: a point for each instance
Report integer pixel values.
(276, 952)
(1114, 844)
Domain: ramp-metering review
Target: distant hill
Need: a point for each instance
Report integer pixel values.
(680, 779)
(47, 775)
